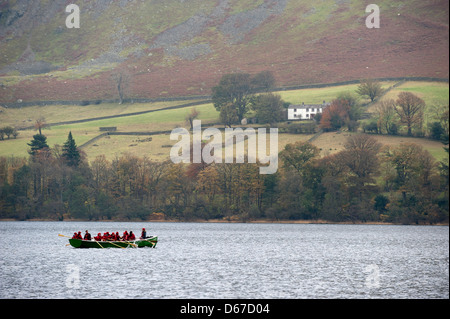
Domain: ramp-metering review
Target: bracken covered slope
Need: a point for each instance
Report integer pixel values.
(182, 47)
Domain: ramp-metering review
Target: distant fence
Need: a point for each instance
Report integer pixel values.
(208, 97)
(108, 129)
(122, 133)
(141, 133)
(120, 115)
(323, 85)
(99, 101)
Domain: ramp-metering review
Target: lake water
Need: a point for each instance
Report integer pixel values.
(206, 260)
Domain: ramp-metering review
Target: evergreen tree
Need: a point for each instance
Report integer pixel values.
(38, 142)
(70, 152)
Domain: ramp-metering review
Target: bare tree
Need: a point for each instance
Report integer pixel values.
(122, 82)
(410, 109)
(387, 116)
(360, 156)
(40, 124)
(191, 116)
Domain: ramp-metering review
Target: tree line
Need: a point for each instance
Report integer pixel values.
(8, 131)
(363, 182)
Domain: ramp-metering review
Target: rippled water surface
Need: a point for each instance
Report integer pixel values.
(201, 260)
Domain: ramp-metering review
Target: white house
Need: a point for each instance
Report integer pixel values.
(305, 111)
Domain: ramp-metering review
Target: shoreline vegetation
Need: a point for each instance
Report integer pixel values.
(235, 221)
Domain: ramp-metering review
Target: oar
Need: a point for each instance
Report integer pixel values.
(151, 240)
(110, 242)
(130, 243)
(117, 245)
(134, 245)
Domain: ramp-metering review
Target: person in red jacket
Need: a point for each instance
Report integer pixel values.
(98, 237)
(125, 235)
(131, 236)
(79, 235)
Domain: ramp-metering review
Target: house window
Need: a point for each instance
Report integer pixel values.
(307, 110)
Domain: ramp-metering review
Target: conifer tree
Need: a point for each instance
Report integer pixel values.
(38, 142)
(70, 152)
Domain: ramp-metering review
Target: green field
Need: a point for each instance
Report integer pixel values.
(434, 93)
(318, 95)
(156, 121)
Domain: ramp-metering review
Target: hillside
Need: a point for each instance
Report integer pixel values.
(182, 47)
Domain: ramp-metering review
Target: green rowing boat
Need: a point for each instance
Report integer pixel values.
(80, 243)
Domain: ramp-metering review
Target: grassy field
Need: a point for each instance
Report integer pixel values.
(318, 95)
(158, 148)
(25, 117)
(433, 93)
(165, 120)
(333, 142)
(156, 121)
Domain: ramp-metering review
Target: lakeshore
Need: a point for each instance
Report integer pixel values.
(225, 221)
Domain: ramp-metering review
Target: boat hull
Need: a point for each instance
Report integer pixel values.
(79, 243)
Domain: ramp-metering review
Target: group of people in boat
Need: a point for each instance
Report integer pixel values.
(110, 236)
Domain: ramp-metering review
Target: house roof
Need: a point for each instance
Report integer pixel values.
(305, 106)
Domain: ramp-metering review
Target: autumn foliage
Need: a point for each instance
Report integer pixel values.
(364, 182)
(335, 116)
